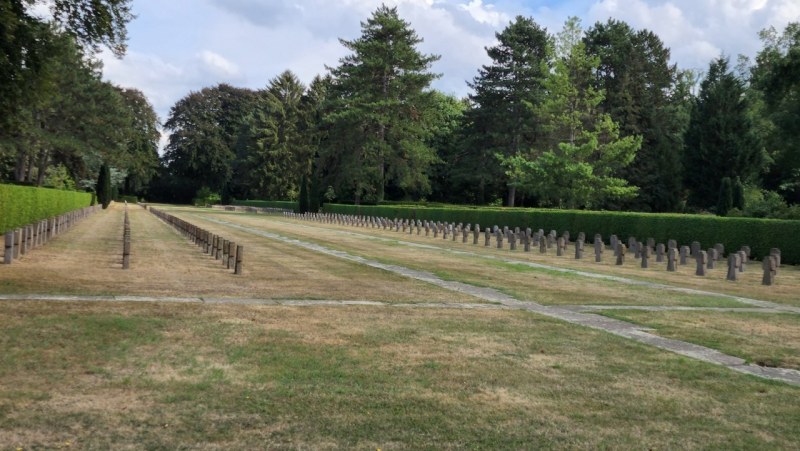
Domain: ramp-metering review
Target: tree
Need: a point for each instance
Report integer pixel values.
(725, 200)
(104, 186)
(204, 127)
(720, 140)
(141, 150)
(302, 199)
(776, 77)
(738, 194)
(647, 97)
(503, 119)
(581, 150)
(379, 112)
(274, 151)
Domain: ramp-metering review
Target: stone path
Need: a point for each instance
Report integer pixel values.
(613, 326)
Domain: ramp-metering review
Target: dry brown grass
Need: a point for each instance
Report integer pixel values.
(87, 260)
(764, 339)
(542, 286)
(213, 376)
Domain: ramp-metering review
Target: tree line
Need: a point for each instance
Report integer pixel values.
(61, 126)
(589, 118)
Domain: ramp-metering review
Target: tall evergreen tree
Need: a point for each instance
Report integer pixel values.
(643, 93)
(725, 199)
(502, 119)
(720, 140)
(104, 195)
(574, 163)
(378, 118)
(776, 77)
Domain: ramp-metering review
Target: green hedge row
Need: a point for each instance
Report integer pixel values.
(21, 205)
(287, 204)
(760, 234)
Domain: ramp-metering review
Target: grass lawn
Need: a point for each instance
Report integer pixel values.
(763, 338)
(169, 376)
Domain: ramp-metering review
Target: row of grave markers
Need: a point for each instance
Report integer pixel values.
(214, 245)
(527, 239)
(20, 241)
(126, 240)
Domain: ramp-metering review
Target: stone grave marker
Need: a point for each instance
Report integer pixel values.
(672, 259)
(770, 267)
(621, 251)
(684, 254)
(702, 256)
(733, 266)
(720, 250)
(660, 250)
(712, 258)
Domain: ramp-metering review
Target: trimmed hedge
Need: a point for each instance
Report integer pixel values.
(285, 204)
(21, 205)
(760, 234)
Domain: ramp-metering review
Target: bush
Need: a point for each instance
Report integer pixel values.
(760, 234)
(285, 204)
(21, 205)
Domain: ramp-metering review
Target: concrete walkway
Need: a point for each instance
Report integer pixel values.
(616, 327)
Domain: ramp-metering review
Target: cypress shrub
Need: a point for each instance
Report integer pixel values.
(760, 234)
(302, 202)
(21, 205)
(738, 194)
(725, 201)
(104, 186)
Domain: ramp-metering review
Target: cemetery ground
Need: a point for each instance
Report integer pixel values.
(311, 350)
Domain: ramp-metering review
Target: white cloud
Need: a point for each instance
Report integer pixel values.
(485, 13)
(218, 64)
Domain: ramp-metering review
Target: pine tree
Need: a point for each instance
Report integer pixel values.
(503, 119)
(302, 201)
(725, 199)
(379, 112)
(738, 194)
(721, 140)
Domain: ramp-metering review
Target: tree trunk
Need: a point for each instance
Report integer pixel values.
(19, 170)
(29, 175)
(43, 160)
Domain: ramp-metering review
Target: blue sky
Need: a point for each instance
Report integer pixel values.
(178, 46)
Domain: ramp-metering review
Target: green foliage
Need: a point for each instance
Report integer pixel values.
(721, 139)
(573, 163)
(302, 201)
(725, 201)
(503, 120)
(21, 205)
(738, 194)
(379, 113)
(205, 197)
(648, 97)
(58, 177)
(760, 234)
(285, 204)
(104, 194)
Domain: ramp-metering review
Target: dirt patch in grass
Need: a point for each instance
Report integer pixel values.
(767, 339)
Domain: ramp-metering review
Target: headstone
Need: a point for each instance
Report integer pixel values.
(770, 267)
(742, 260)
(777, 253)
(637, 250)
(560, 246)
(526, 241)
(466, 231)
(645, 257)
(488, 233)
(702, 256)
(9, 248)
(621, 250)
(237, 269)
(598, 248)
(512, 240)
(498, 236)
(542, 246)
(684, 254)
(695, 248)
(582, 236)
(660, 250)
(672, 259)
(733, 266)
(651, 243)
(672, 244)
(476, 234)
(712, 258)
(579, 249)
(720, 250)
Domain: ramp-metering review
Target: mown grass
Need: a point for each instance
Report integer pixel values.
(541, 285)
(749, 285)
(175, 376)
(767, 339)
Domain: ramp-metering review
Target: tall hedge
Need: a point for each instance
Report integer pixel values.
(760, 234)
(286, 204)
(20, 205)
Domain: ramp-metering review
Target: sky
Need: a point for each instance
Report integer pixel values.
(179, 46)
